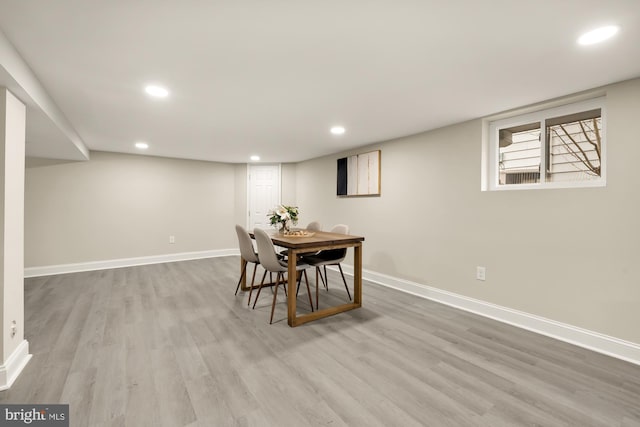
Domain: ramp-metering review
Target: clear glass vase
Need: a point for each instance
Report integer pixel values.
(284, 228)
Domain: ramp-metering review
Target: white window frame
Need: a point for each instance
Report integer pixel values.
(541, 116)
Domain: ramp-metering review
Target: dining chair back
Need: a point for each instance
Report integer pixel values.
(329, 257)
(314, 226)
(247, 250)
(249, 255)
(268, 257)
(271, 263)
(336, 256)
(340, 229)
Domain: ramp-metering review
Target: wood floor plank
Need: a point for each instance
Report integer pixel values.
(110, 387)
(170, 345)
(170, 389)
(79, 388)
(209, 401)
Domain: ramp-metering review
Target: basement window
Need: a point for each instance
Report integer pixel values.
(558, 147)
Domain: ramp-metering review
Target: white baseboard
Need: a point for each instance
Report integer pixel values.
(125, 262)
(595, 341)
(14, 364)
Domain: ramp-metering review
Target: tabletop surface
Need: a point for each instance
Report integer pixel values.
(318, 238)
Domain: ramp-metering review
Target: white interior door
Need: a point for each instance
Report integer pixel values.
(263, 192)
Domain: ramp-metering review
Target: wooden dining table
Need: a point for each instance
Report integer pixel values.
(319, 240)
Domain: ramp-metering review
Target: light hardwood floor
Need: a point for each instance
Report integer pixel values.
(170, 345)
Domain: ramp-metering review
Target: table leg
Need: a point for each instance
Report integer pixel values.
(357, 274)
(291, 285)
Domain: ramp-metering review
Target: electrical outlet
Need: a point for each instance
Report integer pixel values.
(172, 239)
(14, 328)
(481, 273)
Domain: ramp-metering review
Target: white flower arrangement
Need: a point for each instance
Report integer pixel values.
(284, 216)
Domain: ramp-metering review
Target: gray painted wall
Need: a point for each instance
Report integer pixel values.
(569, 255)
(123, 206)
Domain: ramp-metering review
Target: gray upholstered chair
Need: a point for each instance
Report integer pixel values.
(314, 226)
(328, 257)
(248, 253)
(270, 262)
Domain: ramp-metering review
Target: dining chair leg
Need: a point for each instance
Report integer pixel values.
(244, 271)
(306, 280)
(253, 278)
(275, 295)
(317, 287)
(345, 282)
(326, 278)
(251, 289)
(299, 276)
(283, 284)
(318, 270)
(259, 289)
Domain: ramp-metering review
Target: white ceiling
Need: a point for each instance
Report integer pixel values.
(270, 77)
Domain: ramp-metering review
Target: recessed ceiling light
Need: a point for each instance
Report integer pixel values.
(338, 130)
(142, 145)
(156, 91)
(254, 158)
(598, 35)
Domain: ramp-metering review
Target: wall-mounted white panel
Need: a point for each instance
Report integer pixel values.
(363, 174)
(352, 175)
